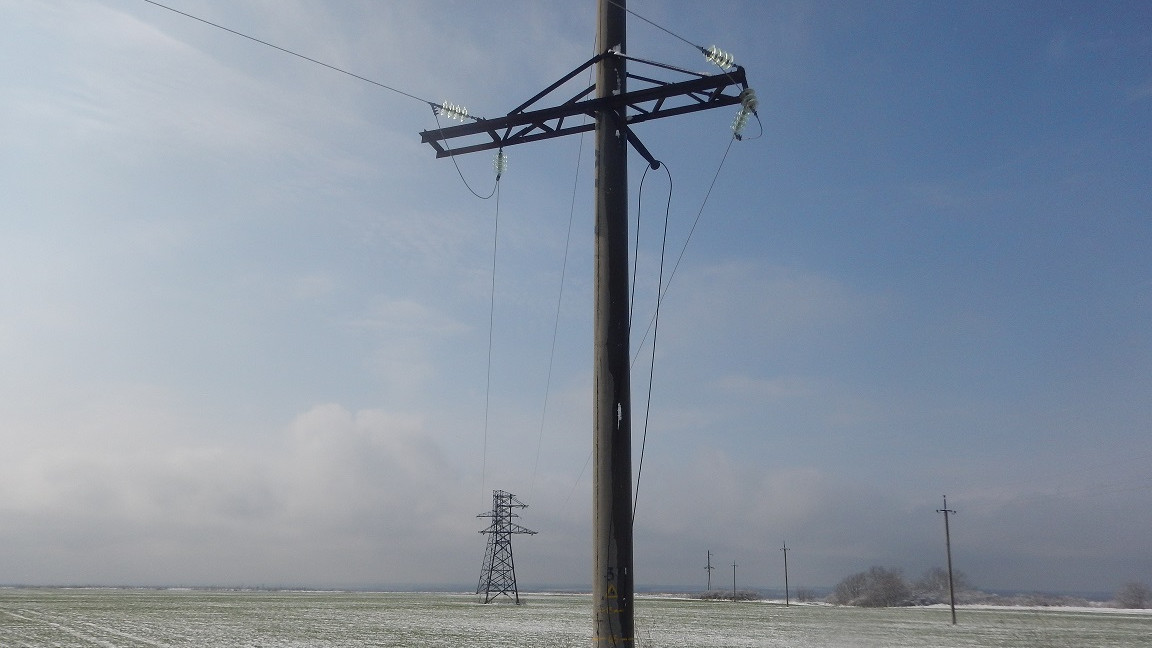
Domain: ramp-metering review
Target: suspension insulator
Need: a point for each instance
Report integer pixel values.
(740, 122)
(719, 57)
(748, 100)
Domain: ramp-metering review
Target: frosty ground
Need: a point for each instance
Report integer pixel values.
(131, 618)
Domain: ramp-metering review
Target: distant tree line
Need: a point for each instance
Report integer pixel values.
(886, 587)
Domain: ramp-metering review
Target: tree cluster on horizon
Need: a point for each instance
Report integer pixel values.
(887, 587)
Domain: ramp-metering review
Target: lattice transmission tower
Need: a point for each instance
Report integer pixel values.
(498, 576)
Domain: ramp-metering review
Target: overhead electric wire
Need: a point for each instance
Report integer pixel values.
(560, 297)
(684, 247)
(491, 327)
(699, 48)
(288, 51)
(657, 26)
(436, 107)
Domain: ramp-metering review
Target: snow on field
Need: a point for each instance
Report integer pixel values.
(66, 618)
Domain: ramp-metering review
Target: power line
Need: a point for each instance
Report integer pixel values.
(560, 299)
(491, 320)
(684, 247)
(713, 54)
(296, 54)
(657, 26)
(437, 108)
(559, 302)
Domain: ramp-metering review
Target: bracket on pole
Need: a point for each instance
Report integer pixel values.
(659, 99)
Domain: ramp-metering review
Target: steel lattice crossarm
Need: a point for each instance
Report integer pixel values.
(502, 514)
(658, 99)
(500, 526)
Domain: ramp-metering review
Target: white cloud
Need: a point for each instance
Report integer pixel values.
(371, 484)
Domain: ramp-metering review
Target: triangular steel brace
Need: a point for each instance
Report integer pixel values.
(640, 148)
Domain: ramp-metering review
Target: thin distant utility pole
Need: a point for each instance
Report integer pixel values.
(709, 567)
(787, 602)
(733, 580)
(948, 545)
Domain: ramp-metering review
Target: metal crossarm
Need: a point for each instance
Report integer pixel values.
(659, 99)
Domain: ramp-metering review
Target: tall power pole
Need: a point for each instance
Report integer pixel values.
(709, 567)
(787, 601)
(612, 580)
(948, 546)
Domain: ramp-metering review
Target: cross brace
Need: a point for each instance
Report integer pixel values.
(657, 100)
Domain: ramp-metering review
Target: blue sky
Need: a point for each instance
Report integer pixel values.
(244, 312)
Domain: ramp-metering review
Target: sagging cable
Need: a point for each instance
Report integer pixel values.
(455, 111)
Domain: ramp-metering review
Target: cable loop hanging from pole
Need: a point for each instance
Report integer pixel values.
(459, 112)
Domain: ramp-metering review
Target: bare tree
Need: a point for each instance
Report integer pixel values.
(850, 589)
(932, 586)
(1134, 596)
(877, 587)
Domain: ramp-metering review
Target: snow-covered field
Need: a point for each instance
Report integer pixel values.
(67, 618)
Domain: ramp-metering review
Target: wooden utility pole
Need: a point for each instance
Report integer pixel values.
(787, 601)
(612, 432)
(948, 546)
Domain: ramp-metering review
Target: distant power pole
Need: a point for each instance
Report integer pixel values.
(787, 602)
(709, 567)
(948, 545)
(733, 580)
